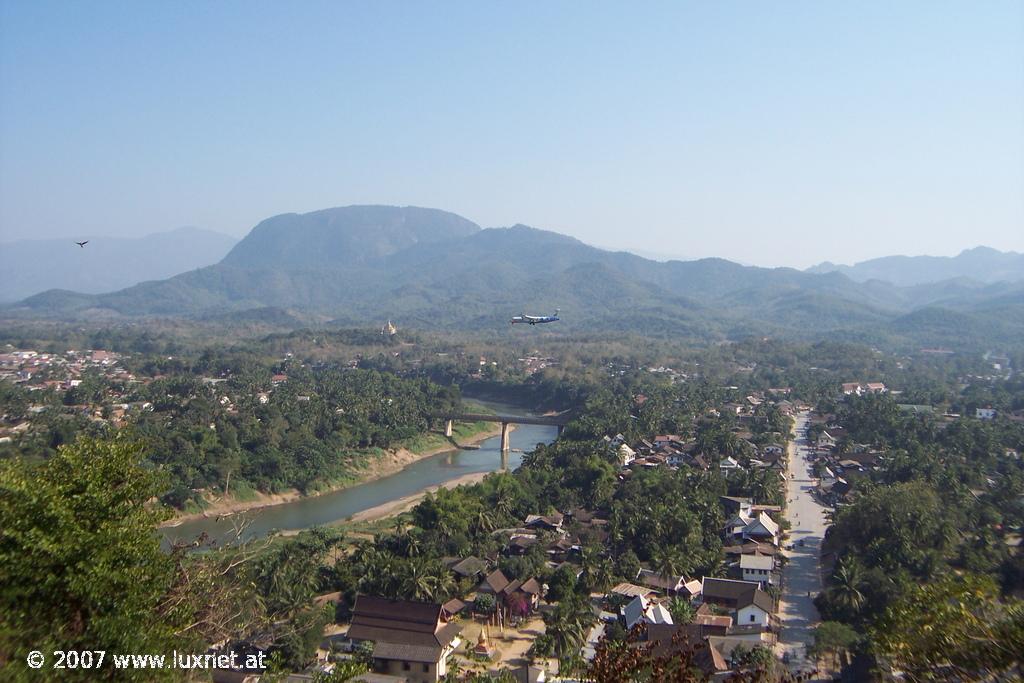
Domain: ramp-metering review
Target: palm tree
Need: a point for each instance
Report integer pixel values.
(567, 625)
(418, 583)
(483, 522)
(847, 592)
(668, 563)
(503, 498)
(604, 572)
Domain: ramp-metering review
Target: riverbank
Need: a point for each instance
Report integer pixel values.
(393, 508)
(406, 503)
(391, 462)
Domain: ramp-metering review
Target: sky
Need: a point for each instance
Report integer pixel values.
(768, 133)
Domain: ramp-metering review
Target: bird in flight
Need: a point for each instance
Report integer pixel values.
(82, 244)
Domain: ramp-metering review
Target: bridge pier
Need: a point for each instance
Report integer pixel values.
(448, 429)
(504, 442)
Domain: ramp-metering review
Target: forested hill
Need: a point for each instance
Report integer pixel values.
(427, 268)
(337, 238)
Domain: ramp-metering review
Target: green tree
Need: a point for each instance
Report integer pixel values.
(81, 566)
(847, 590)
(833, 639)
(958, 622)
(567, 625)
(681, 610)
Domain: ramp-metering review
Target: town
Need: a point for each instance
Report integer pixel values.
(705, 519)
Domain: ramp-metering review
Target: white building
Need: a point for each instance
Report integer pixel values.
(757, 568)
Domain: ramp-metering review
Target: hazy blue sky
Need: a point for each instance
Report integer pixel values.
(769, 133)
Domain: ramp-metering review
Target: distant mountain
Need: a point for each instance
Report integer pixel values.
(107, 263)
(425, 268)
(346, 236)
(981, 264)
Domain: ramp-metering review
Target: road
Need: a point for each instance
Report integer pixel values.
(801, 577)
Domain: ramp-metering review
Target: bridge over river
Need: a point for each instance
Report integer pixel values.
(545, 420)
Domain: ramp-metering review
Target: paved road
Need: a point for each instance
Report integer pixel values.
(802, 578)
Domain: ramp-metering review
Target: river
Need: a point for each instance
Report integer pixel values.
(339, 505)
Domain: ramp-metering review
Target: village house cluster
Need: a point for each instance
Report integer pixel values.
(495, 623)
(416, 642)
(39, 372)
(53, 383)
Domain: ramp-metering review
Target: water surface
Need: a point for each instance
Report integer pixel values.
(338, 505)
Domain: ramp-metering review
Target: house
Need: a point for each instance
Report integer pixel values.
(657, 614)
(725, 592)
(848, 465)
(519, 543)
(493, 584)
(737, 523)
(651, 579)
(762, 528)
(453, 607)
(757, 568)
(632, 613)
(753, 528)
(522, 597)
(640, 610)
(667, 639)
(468, 568)
(690, 590)
(735, 504)
(699, 462)
(547, 522)
(560, 549)
(713, 623)
(677, 458)
(875, 388)
(728, 464)
(985, 413)
(411, 639)
(531, 673)
(626, 455)
(755, 608)
(750, 548)
(631, 590)
(750, 605)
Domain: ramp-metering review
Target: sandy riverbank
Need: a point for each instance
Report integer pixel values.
(399, 505)
(390, 463)
(406, 503)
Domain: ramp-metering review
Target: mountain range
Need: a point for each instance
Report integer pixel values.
(428, 268)
(106, 263)
(981, 264)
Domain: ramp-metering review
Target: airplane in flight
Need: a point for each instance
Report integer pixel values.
(534, 319)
